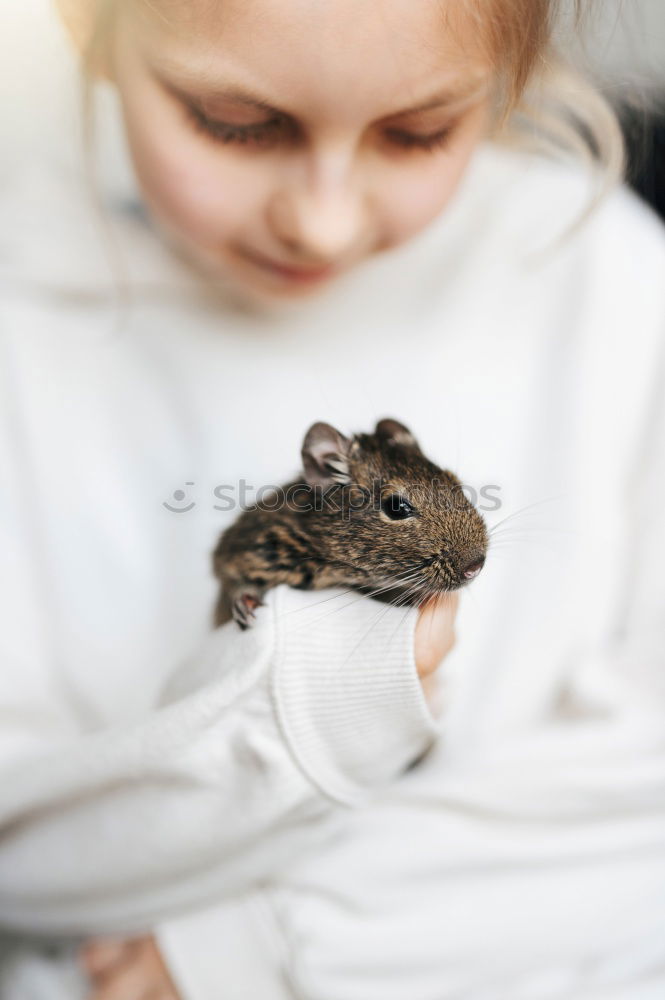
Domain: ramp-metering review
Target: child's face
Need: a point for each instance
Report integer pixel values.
(330, 169)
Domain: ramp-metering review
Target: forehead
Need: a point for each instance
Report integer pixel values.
(385, 52)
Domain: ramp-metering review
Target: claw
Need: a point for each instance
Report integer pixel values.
(243, 609)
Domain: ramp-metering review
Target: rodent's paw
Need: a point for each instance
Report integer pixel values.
(243, 609)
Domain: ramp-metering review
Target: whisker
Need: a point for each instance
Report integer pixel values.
(522, 540)
(527, 507)
(391, 586)
(398, 626)
(359, 596)
(533, 529)
(375, 621)
(392, 583)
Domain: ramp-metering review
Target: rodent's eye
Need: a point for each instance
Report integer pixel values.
(396, 507)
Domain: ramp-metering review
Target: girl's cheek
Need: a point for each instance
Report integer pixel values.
(194, 192)
(419, 205)
(423, 191)
(205, 206)
(427, 194)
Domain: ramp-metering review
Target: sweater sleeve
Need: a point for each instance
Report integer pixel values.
(258, 748)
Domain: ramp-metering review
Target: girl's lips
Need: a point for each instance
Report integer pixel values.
(292, 273)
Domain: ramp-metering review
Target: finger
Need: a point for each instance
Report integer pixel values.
(440, 613)
(446, 604)
(129, 982)
(101, 955)
(449, 601)
(435, 632)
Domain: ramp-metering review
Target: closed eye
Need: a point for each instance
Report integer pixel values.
(260, 134)
(412, 140)
(280, 129)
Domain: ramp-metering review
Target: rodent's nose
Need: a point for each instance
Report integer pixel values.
(473, 567)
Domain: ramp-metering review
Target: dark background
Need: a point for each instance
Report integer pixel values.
(645, 135)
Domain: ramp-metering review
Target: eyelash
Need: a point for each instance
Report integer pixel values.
(266, 131)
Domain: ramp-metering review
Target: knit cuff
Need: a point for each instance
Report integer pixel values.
(346, 689)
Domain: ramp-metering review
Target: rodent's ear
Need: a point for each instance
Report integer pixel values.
(325, 456)
(395, 433)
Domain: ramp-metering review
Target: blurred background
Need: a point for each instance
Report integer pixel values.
(622, 47)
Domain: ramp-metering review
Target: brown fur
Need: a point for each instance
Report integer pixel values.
(349, 540)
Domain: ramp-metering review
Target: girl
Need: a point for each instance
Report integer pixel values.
(325, 215)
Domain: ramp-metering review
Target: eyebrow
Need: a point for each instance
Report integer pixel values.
(241, 95)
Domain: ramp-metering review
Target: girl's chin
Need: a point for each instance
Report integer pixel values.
(249, 280)
(270, 282)
(242, 274)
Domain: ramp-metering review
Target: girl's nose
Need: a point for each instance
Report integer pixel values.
(318, 221)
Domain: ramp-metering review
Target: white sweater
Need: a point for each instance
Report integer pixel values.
(246, 795)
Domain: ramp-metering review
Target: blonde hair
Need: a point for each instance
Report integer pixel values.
(543, 103)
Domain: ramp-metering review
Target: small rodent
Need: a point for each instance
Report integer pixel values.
(371, 512)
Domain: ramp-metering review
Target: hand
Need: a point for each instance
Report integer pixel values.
(127, 970)
(434, 639)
